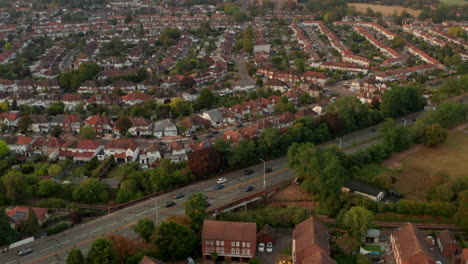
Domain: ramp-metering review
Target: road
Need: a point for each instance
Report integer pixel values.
(54, 249)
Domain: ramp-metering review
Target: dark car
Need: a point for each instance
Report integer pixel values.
(268, 170)
(239, 125)
(215, 132)
(195, 138)
(248, 171)
(210, 136)
(219, 186)
(178, 195)
(248, 188)
(208, 204)
(170, 204)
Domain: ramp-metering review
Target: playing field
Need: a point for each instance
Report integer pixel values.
(421, 168)
(454, 2)
(387, 10)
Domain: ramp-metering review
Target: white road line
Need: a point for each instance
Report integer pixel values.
(64, 242)
(79, 236)
(96, 230)
(180, 212)
(45, 249)
(125, 234)
(128, 218)
(14, 261)
(112, 224)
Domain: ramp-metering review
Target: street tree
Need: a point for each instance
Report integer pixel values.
(90, 191)
(101, 252)
(174, 241)
(396, 137)
(145, 228)
(243, 153)
(357, 220)
(401, 100)
(24, 124)
(353, 112)
(195, 210)
(124, 247)
(434, 135)
(205, 162)
(87, 132)
(31, 225)
(75, 257)
(7, 234)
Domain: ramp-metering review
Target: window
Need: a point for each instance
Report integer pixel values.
(207, 242)
(243, 244)
(217, 242)
(237, 243)
(243, 251)
(212, 249)
(207, 249)
(237, 251)
(248, 244)
(217, 249)
(248, 252)
(222, 243)
(233, 251)
(211, 242)
(233, 244)
(222, 250)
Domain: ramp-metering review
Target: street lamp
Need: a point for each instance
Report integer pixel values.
(156, 209)
(264, 174)
(405, 122)
(340, 141)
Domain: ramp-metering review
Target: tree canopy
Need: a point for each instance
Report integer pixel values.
(174, 241)
(145, 228)
(357, 220)
(101, 251)
(195, 210)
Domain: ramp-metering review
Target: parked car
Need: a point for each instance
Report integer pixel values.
(239, 125)
(170, 204)
(248, 171)
(261, 247)
(268, 170)
(178, 196)
(215, 132)
(24, 251)
(189, 260)
(219, 186)
(248, 188)
(221, 180)
(269, 247)
(210, 136)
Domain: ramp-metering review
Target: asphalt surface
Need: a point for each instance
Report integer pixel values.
(55, 249)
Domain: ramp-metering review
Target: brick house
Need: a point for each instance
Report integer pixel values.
(19, 214)
(233, 241)
(448, 245)
(409, 246)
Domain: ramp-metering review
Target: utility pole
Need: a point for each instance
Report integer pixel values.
(405, 122)
(156, 209)
(341, 141)
(264, 175)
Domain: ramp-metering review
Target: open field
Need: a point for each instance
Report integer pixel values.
(454, 2)
(387, 10)
(293, 195)
(421, 168)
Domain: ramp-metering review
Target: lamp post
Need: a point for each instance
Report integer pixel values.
(156, 209)
(405, 122)
(340, 141)
(264, 174)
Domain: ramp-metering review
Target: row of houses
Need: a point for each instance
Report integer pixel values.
(305, 43)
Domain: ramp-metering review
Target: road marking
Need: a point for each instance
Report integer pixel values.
(45, 249)
(125, 234)
(96, 230)
(12, 262)
(79, 236)
(64, 242)
(181, 212)
(125, 219)
(54, 262)
(112, 224)
(84, 250)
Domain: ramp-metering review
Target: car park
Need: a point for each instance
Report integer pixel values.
(170, 204)
(248, 188)
(221, 180)
(219, 186)
(24, 251)
(268, 170)
(269, 247)
(248, 171)
(178, 196)
(261, 247)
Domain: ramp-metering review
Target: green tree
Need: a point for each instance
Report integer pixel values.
(54, 170)
(357, 220)
(174, 241)
(7, 234)
(145, 228)
(56, 108)
(434, 135)
(87, 132)
(75, 257)
(243, 153)
(24, 124)
(462, 212)
(48, 188)
(101, 252)
(349, 109)
(17, 189)
(128, 191)
(361, 259)
(123, 124)
(4, 149)
(195, 210)
(31, 225)
(206, 99)
(90, 191)
(397, 138)
(401, 100)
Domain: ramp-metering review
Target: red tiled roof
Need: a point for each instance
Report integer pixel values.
(123, 143)
(21, 213)
(234, 231)
(98, 119)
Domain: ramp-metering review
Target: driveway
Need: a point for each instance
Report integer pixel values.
(283, 241)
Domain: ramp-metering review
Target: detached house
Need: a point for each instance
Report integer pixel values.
(233, 136)
(71, 101)
(135, 98)
(68, 123)
(19, 214)
(101, 124)
(194, 123)
(10, 119)
(176, 152)
(240, 111)
(80, 151)
(18, 144)
(448, 245)
(214, 116)
(45, 146)
(123, 150)
(40, 123)
(150, 153)
(165, 128)
(140, 127)
(409, 246)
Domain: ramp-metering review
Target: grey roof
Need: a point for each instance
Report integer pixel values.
(215, 115)
(373, 233)
(162, 125)
(362, 188)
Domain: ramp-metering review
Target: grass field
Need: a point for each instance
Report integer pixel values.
(393, 217)
(420, 168)
(387, 10)
(454, 2)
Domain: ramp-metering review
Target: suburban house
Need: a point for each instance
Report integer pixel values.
(448, 245)
(151, 153)
(240, 111)
(233, 241)
(140, 127)
(194, 123)
(68, 123)
(80, 151)
(310, 243)
(19, 214)
(101, 124)
(214, 116)
(123, 150)
(47, 146)
(165, 128)
(40, 123)
(409, 246)
(176, 152)
(351, 186)
(233, 136)
(18, 144)
(71, 101)
(135, 98)
(10, 119)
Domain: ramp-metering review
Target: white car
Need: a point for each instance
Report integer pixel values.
(269, 247)
(221, 180)
(261, 247)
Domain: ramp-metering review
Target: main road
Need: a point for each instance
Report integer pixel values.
(55, 249)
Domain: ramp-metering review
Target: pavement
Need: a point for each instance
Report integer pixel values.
(55, 249)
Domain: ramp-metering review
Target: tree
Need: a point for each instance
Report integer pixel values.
(145, 228)
(187, 83)
(349, 109)
(243, 153)
(90, 191)
(7, 234)
(195, 210)
(87, 132)
(462, 212)
(357, 220)
(75, 257)
(24, 124)
(54, 170)
(395, 137)
(335, 125)
(128, 191)
(434, 135)
(123, 124)
(101, 252)
(56, 108)
(124, 247)
(48, 188)
(398, 43)
(31, 225)
(4, 149)
(401, 101)
(361, 259)
(174, 241)
(206, 99)
(206, 162)
(17, 189)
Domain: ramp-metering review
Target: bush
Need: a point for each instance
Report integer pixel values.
(58, 228)
(51, 203)
(406, 206)
(102, 166)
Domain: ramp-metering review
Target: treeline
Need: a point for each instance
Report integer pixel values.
(414, 4)
(72, 80)
(445, 12)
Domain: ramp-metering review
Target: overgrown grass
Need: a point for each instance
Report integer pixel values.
(116, 173)
(393, 217)
(286, 251)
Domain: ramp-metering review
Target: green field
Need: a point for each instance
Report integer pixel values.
(454, 2)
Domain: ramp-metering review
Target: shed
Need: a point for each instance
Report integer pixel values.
(266, 234)
(372, 236)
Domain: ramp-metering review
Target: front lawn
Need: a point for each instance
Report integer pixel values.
(372, 248)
